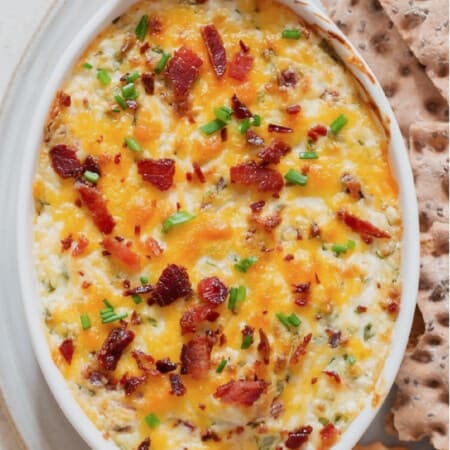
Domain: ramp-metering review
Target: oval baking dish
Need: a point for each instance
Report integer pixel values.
(338, 47)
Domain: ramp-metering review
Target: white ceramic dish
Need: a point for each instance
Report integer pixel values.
(400, 164)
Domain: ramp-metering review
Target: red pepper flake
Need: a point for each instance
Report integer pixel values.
(66, 243)
(67, 349)
(272, 128)
(176, 384)
(298, 437)
(293, 109)
(315, 132)
(240, 109)
(81, 245)
(333, 375)
(240, 66)
(216, 50)
(199, 173)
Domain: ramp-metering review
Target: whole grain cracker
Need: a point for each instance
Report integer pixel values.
(377, 446)
(424, 26)
(422, 404)
(412, 95)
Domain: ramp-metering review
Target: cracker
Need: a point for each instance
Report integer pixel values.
(412, 95)
(424, 27)
(377, 446)
(421, 407)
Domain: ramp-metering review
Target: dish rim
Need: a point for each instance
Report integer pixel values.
(315, 17)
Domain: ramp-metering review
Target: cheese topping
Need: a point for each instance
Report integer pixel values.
(217, 231)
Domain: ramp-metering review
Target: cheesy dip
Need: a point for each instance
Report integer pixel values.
(217, 231)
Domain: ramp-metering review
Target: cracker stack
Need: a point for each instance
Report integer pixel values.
(406, 44)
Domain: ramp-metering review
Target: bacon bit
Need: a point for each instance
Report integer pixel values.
(144, 47)
(80, 246)
(276, 408)
(67, 349)
(195, 316)
(158, 172)
(198, 172)
(298, 437)
(393, 307)
(64, 99)
(145, 444)
(314, 380)
(329, 435)
(241, 392)
(128, 44)
(289, 257)
(165, 365)
(302, 291)
(274, 152)
(122, 254)
(176, 384)
(249, 173)
(212, 291)
(244, 47)
(86, 284)
(334, 338)
(254, 138)
(155, 25)
(269, 223)
(126, 284)
(300, 350)
(65, 161)
(240, 66)
(144, 362)
(257, 206)
(264, 346)
(152, 246)
(361, 309)
(293, 110)
(173, 284)
(362, 227)
(224, 134)
(96, 204)
(132, 104)
(130, 384)
(272, 128)
(328, 95)
(182, 70)
(113, 347)
(196, 357)
(148, 81)
(216, 50)
(314, 230)
(91, 163)
(188, 425)
(137, 230)
(135, 318)
(240, 109)
(315, 132)
(209, 435)
(288, 78)
(333, 375)
(117, 158)
(352, 186)
(66, 243)
(140, 290)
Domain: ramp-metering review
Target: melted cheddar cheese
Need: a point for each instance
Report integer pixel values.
(308, 274)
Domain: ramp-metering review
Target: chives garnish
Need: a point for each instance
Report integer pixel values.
(244, 126)
(88, 66)
(338, 249)
(368, 332)
(223, 113)
(283, 319)
(152, 420)
(241, 293)
(351, 359)
(294, 320)
(108, 314)
(308, 155)
(103, 77)
(232, 299)
(338, 124)
(162, 62)
(133, 144)
(256, 121)
(132, 77)
(120, 101)
(143, 279)
(178, 218)
(114, 317)
(351, 244)
(213, 126)
(142, 28)
(107, 304)
(296, 177)
(92, 177)
(247, 341)
(244, 264)
(136, 299)
(221, 366)
(85, 321)
(324, 421)
(291, 34)
(129, 92)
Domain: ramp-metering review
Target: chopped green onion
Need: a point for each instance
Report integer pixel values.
(136, 299)
(232, 299)
(283, 319)
(221, 366)
(120, 101)
(133, 144)
(351, 360)
(339, 249)
(223, 113)
(294, 320)
(129, 92)
(178, 218)
(103, 77)
(213, 126)
(142, 28)
(247, 341)
(132, 77)
(379, 254)
(351, 244)
(296, 177)
(324, 421)
(291, 34)
(107, 304)
(244, 264)
(143, 279)
(88, 66)
(244, 126)
(256, 120)
(162, 62)
(308, 155)
(92, 177)
(241, 293)
(85, 321)
(152, 421)
(338, 124)
(368, 332)
(114, 318)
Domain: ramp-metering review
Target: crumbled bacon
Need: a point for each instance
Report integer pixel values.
(209, 435)
(365, 229)
(64, 99)
(315, 132)
(314, 230)
(274, 152)
(139, 290)
(329, 435)
(67, 349)
(195, 315)
(269, 223)
(288, 78)
(158, 172)
(80, 246)
(148, 81)
(65, 161)
(216, 50)
(144, 362)
(113, 347)
(66, 243)
(145, 444)
(155, 25)
(264, 346)
(393, 307)
(212, 291)
(199, 173)
(176, 384)
(333, 375)
(298, 437)
(152, 246)
(173, 284)
(93, 199)
(301, 291)
(240, 66)
(240, 109)
(121, 253)
(249, 173)
(352, 186)
(293, 109)
(165, 365)
(135, 318)
(334, 338)
(241, 392)
(254, 138)
(128, 44)
(273, 128)
(300, 350)
(196, 357)
(130, 384)
(244, 47)
(257, 206)
(361, 309)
